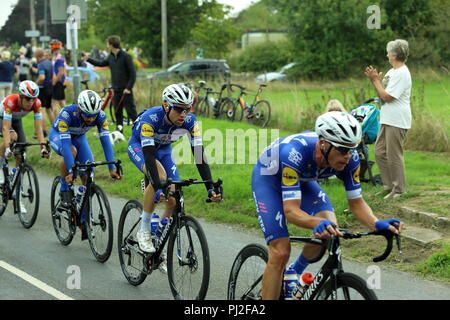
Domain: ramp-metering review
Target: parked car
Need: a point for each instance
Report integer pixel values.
(273, 76)
(202, 68)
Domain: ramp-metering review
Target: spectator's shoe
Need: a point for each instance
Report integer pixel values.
(383, 193)
(398, 195)
(393, 195)
(145, 241)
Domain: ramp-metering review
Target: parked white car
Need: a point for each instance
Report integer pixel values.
(273, 76)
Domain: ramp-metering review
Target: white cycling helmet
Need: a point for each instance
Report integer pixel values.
(29, 89)
(177, 93)
(339, 128)
(89, 102)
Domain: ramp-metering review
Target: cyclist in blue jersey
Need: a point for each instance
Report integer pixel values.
(149, 148)
(68, 139)
(285, 189)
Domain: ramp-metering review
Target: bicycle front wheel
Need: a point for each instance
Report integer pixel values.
(27, 193)
(260, 115)
(188, 264)
(99, 224)
(245, 282)
(349, 287)
(131, 262)
(62, 220)
(201, 107)
(4, 197)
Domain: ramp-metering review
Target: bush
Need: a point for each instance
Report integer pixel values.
(267, 56)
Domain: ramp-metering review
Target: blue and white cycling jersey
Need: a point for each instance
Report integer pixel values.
(287, 170)
(290, 160)
(69, 129)
(150, 129)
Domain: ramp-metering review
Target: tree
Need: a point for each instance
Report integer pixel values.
(213, 32)
(138, 22)
(260, 15)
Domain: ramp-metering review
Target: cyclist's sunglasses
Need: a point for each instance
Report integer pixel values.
(89, 115)
(181, 109)
(28, 98)
(344, 150)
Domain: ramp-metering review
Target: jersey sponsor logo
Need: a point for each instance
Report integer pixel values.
(322, 195)
(290, 177)
(8, 111)
(295, 156)
(105, 125)
(62, 126)
(65, 115)
(279, 218)
(196, 130)
(154, 117)
(147, 130)
(356, 175)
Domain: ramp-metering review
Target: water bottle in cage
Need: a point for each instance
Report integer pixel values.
(79, 196)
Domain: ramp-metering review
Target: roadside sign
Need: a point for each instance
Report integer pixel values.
(44, 39)
(59, 10)
(32, 33)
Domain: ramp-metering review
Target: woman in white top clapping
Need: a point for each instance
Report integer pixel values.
(394, 89)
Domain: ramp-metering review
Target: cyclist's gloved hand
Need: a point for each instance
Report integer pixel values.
(157, 197)
(386, 225)
(322, 226)
(45, 153)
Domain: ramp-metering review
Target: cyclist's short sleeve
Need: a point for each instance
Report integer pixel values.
(147, 134)
(102, 124)
(37, 106)
(350, 177)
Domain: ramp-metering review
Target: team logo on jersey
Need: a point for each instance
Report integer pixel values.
(290, 177)
(105, 125)
(356, 175)
(8, 111)
(62, 126)
(295, 156)
(147, 130)
(196, 130)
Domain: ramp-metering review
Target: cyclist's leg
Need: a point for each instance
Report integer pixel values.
(84, 153)
(269, 206)
(56, 145)
(13, 137)
(18, 128)
(164, 155)
(316, 203)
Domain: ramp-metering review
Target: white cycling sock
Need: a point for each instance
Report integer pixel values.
(146, 221)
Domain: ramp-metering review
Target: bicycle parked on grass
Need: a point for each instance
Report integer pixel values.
(107, 100)
(188, 263)
(22, 186)
(235, 109)
(206, 102)
(98, 220)
(331, 282)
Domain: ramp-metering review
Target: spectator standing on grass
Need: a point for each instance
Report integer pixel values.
(59, 75)
(395, 117)
(123, 77)
(44, 81)
(7, 70)
(24, 65)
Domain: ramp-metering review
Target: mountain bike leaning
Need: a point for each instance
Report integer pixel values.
(94, 204)
(330, 282)
(257, 113)
(21, 186)
(188, 262)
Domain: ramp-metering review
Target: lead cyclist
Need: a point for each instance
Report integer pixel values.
(285, 189)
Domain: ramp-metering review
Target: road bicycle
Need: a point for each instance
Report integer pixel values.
(330, 282)
(22, 186)
(98, 221)
(188, 262)
(235, 109)
(107, 94)
(206, 103)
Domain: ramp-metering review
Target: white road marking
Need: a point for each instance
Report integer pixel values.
(35, 282)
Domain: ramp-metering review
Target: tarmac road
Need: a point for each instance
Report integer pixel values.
(37, 256)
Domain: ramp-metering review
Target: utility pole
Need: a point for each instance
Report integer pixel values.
(164, 33)
(45, 23)
(32, 21)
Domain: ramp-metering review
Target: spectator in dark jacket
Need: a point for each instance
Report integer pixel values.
(7, 70)
(123, 77)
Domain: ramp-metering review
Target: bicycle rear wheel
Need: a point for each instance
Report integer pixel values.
(99, 225)
(131, 262)
(188, 264)
(260, 115)
(62, 220)
(27, 193)
(349, 287)
(227, 109)
(245, 282)
(201, 107)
